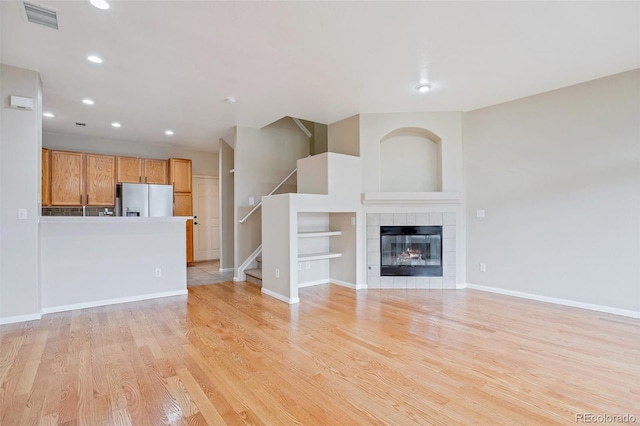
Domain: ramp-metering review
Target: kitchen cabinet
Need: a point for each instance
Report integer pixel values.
(141, 170)
(190, 242)
(66, 178)
(155, 171)
(46, 177)
(100, 182)
(180, 174)
(129, 170)
(180, 177)
(183, 206)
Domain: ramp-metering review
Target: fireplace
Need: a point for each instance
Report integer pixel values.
(411, 251)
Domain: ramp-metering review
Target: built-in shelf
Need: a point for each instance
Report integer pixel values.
(319, 234)
(317, 256)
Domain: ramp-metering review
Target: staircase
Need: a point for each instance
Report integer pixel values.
(254, 276)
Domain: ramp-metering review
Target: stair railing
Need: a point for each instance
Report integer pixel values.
(244, 219)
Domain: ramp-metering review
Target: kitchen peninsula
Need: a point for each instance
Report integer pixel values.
(90, 255)
(95, 261)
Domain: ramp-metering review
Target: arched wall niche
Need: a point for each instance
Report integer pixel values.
(411, 161)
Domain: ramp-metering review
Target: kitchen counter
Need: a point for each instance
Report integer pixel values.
(109, 219)
(91, 261)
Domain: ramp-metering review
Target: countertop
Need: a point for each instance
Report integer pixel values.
(109, 219)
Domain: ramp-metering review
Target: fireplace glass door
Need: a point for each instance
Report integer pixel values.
(411, 251)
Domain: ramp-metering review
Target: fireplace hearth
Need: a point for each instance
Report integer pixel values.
(411, 251)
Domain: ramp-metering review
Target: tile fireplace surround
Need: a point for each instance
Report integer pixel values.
(447, 219)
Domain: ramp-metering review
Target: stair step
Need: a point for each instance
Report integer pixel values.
(259, 260)
(254, 276)
(256, 273)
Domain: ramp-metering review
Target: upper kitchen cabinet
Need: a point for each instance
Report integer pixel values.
(141, 170)
(46, 177)
(155, 171)
(180, 174)
(129, 170)
(100, 180)
(66, 178)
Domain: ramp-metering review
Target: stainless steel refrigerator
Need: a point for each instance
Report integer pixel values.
(146, 200)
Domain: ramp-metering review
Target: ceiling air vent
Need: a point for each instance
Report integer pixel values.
(41, 15)
(81, 124)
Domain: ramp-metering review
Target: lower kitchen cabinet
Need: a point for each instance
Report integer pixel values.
(182, 206)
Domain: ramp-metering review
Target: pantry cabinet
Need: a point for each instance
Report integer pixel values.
(180, 174)
(180, 177)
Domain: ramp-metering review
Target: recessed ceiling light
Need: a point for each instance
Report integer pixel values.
(116, 124)
(100, 4)
(87, 101)
(423, 88)
(230, 100)
(95, 59)
(49, 114)
(168, 132)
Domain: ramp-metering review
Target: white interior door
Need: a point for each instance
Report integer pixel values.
(206, 224)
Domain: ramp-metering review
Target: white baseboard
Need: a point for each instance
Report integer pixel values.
(349, 285)
(280, 297)
(20, 318)
(106, 302)
(236, 279)
(225, 269)
(312, 283)
(564, 302)
(461, 286)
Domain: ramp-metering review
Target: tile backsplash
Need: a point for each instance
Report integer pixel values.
(77, 211)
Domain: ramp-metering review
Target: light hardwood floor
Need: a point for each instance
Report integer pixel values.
(227, 354)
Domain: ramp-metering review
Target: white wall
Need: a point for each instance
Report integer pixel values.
(226, 205)
(263, 157)
(344, 136)
(203, 163)
(20, 158)
(559, 177)
(411, 164)
(446, 125)
(280, 245)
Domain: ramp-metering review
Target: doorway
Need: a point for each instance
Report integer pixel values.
(206, 223)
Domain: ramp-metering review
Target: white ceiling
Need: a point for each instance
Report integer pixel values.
(170, 64)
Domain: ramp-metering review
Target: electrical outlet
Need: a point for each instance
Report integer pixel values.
(353, 220)
(308, 265)
(252, 201)
(277, 273)
(22, 214)
(483, 267)
(480, 213)
(158, 272)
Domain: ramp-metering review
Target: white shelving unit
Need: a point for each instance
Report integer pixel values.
(317, 256)
(319, 234)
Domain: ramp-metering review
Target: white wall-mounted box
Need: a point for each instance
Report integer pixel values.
(18, 102)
